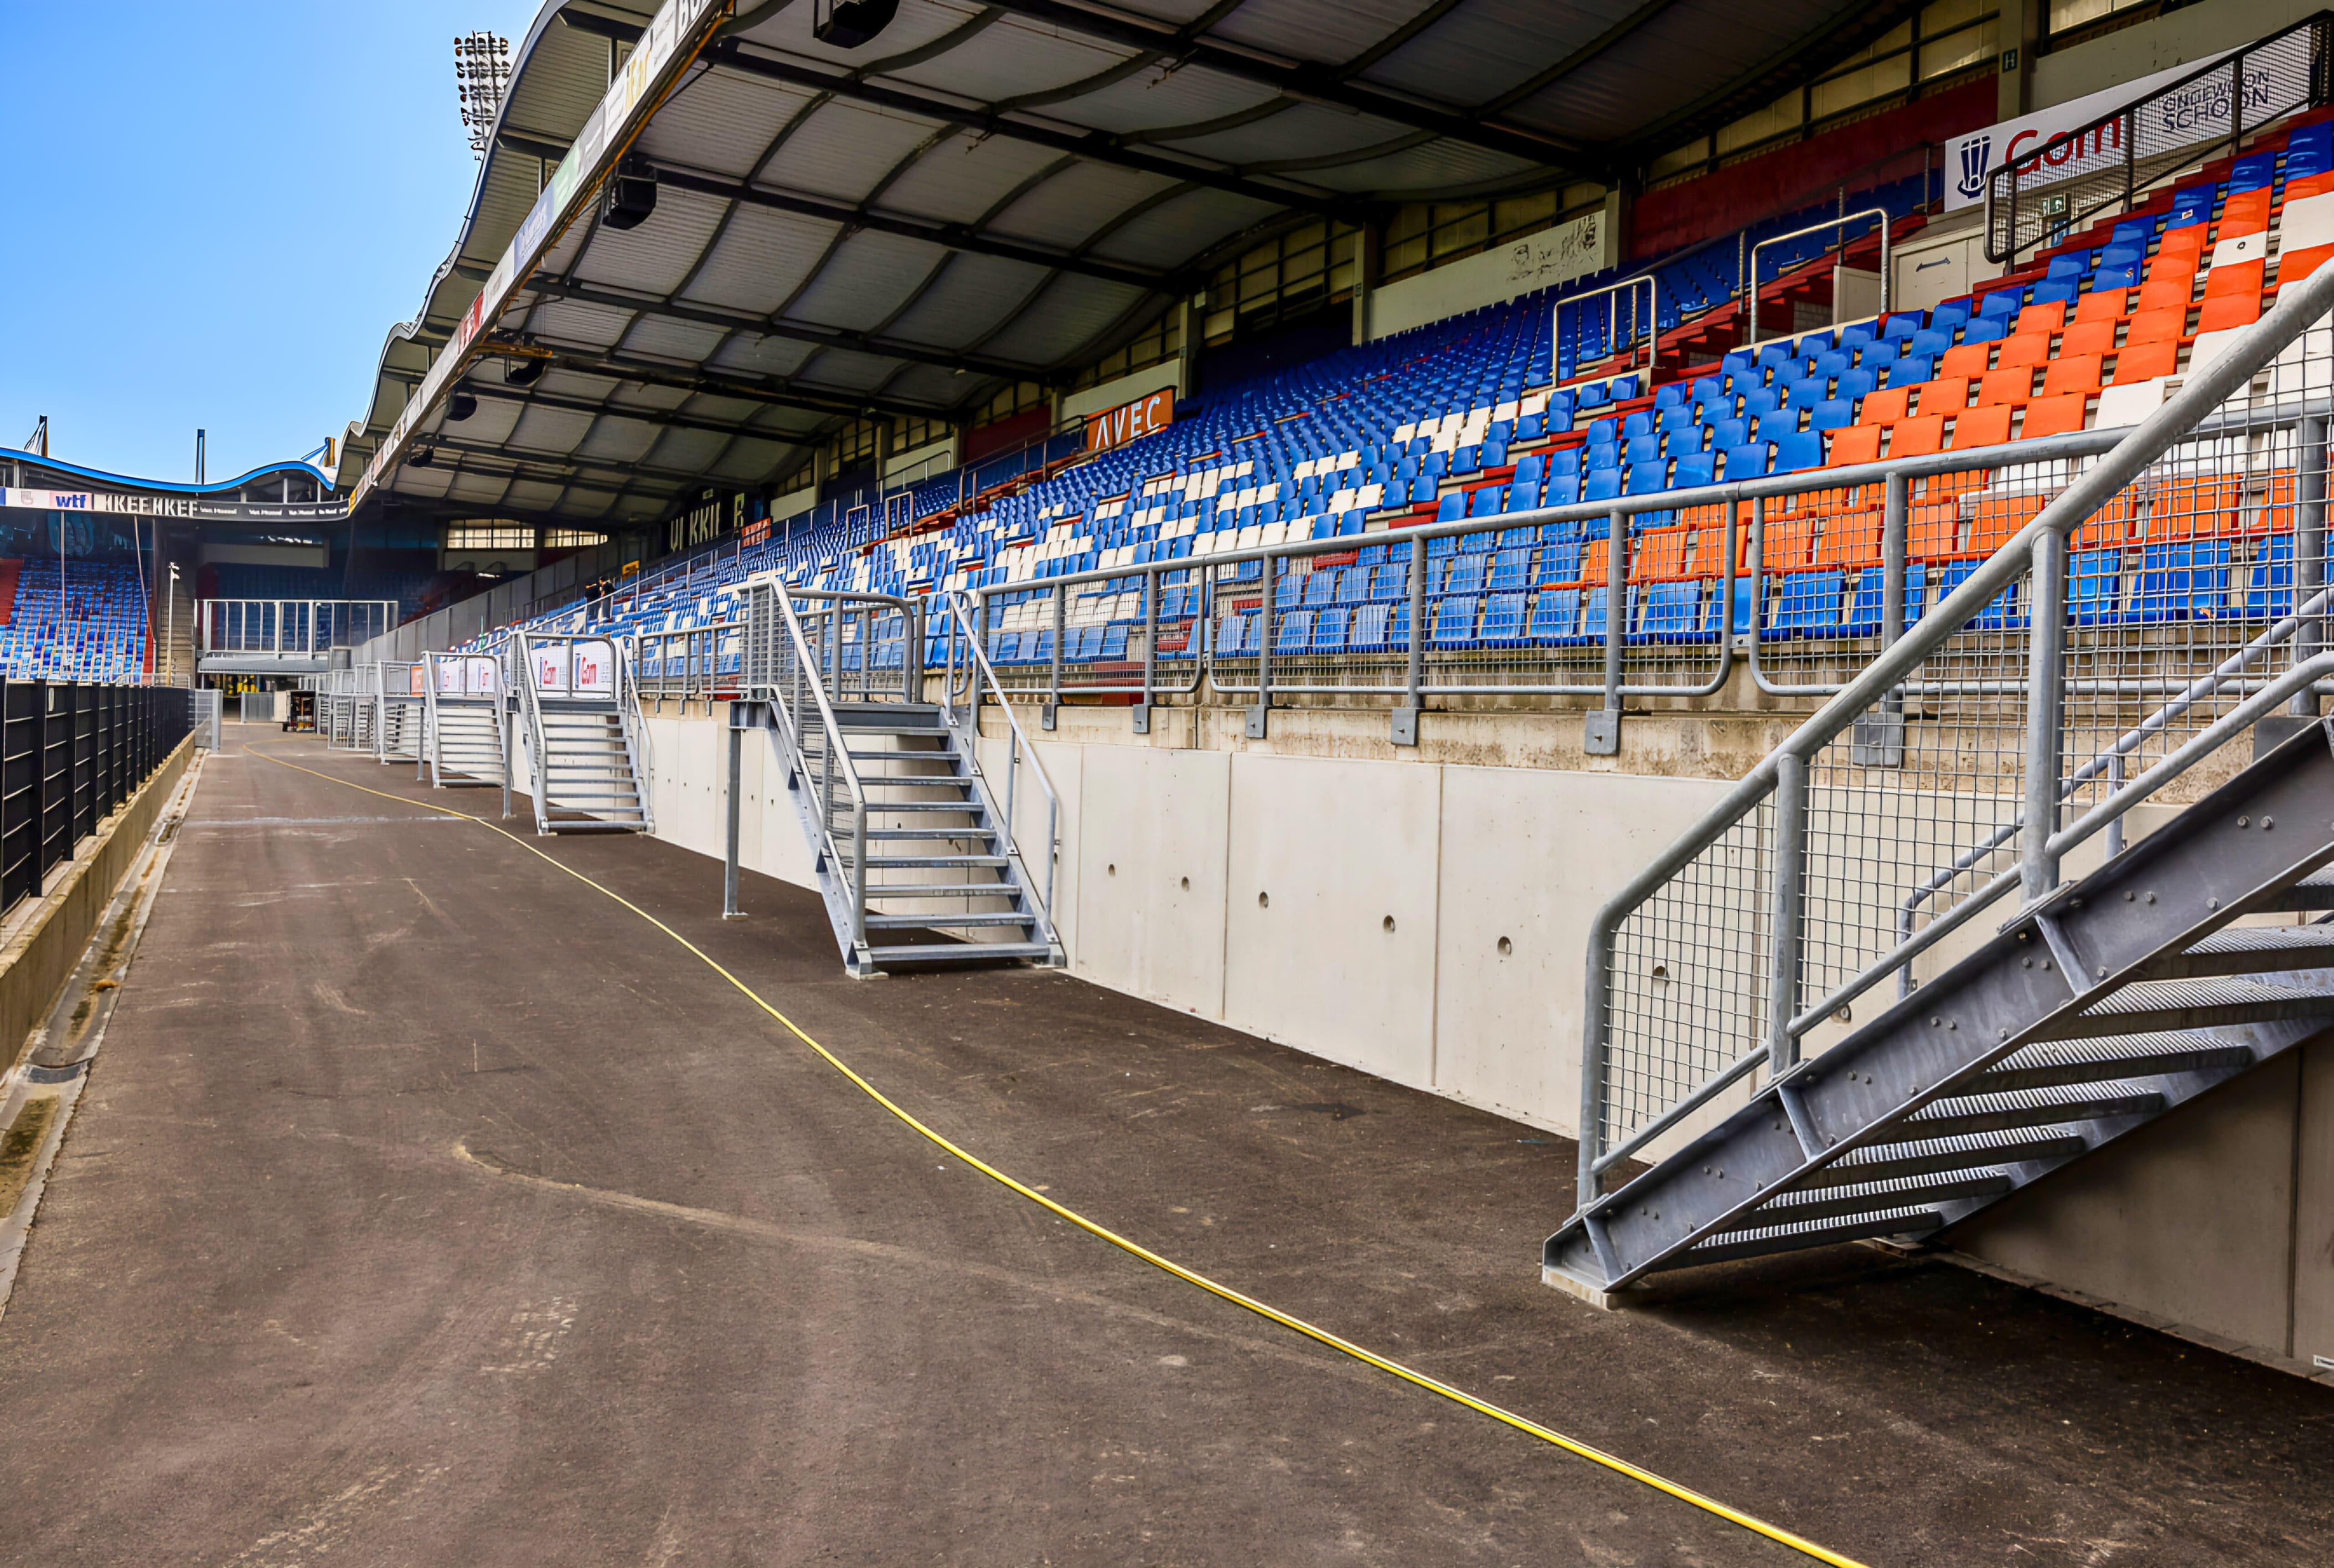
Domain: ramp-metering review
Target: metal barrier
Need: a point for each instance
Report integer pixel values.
(288, 627)
(2067, 179)
(399, 714)
(2169, 596)
(1624, 323)
(1829, 225)
(70, 755)
(967, 681)
(702, 663)
(466, 719)
(588, 751)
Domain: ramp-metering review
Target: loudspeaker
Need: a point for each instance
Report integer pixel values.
(848, 24)
(460, 406)
(522, 372)
(630, 195)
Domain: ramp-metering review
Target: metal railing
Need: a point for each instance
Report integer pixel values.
(1827, 225)
(546, 665)
(1624, 323)
(70, 755)
(2036, 197)
(287, 628)
(699, 664)
(2071, 672)
(967, 680)
(790, 671)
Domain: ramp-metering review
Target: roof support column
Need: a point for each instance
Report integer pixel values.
(1365, 278)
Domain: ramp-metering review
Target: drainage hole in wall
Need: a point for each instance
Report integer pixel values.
(1187, 884)
(1112, 869)
(1264, 900)
(1389, 925)
(1506, 947)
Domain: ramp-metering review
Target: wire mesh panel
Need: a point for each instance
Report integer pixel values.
(2054, 188)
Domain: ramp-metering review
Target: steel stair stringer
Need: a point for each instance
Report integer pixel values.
(2006, 1066)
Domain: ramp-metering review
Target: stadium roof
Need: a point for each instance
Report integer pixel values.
(981, 194)
(274, 492)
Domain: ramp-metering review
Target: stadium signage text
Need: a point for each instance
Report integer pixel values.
(1146, 415)
(2196, 113)
(190, 508)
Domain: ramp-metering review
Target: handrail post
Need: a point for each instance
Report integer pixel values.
(730, 910)
(1054, 680)
(912, 658)
(1787, 912)
(2310, 554)
(1150, 579)
(1601, 735)
(1259, 717)
(2045, 712)
(1596, 1051)
(1879, 739)
(1405, 719)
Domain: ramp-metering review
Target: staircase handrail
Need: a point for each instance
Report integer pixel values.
(788, 699)
(983, 685)
(1867, 700)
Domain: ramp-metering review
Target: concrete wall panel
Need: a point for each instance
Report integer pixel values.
(1150, 854)
(1322, 854)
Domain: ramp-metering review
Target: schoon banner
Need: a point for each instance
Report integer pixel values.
(1970, 158)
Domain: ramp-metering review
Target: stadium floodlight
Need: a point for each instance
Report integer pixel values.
(482, 71)
(848, 24)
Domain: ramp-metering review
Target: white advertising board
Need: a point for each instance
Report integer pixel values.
(1971, 158)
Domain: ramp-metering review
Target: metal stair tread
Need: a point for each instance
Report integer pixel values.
(2024, 1108)
(943, 891)
(942, 920)
(1951, 1151)
(1794, 1235)
(956, 952)
(934, 862)
(2104, 1058)
(1871, 1196)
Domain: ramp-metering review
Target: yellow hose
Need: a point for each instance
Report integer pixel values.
(1708, 1505)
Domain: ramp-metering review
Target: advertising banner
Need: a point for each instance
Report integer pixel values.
(485, 676)
(450, 676)
(595, 669)
(1146, 415)
(551, 668)
(413, 682)
(1971, 158)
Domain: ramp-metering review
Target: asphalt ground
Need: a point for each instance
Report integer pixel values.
(426, 1205)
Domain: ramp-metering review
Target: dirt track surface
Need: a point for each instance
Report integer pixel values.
(426, 1205)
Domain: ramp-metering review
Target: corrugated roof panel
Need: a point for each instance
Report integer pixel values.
(663, 338)
(1302, 130)
(1484, 48)
(959, 179)
(585, 501)
(1073, 204)
(494, 421)
(845, 149)
(761, 259)
(686, 450)
(657, 257)
(750, 462)
(870, 276)
(934, 384)
(1326, 31)
(532, 494)
(576, 321)
(478, 489)
(760, 356)
(970, 297)
(551, 429)
(431, 482)
(847, 370)
(1434, 169)
(576, 384)
(918, 23)
(1155, 97)
(1693, 49)
(1013, 58)
(1070, 313)
(1174, 231)
(724, 122)
(615, 440)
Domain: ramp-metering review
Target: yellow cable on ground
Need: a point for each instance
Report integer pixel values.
(1319, 1336)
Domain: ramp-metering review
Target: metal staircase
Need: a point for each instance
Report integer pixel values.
(464, 740)
(1795, 1018)
(587, 750)
(918, 860)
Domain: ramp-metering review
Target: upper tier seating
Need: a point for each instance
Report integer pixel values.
(97, 633)
(1462, 420)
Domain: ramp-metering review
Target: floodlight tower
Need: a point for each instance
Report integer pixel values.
(481, 75)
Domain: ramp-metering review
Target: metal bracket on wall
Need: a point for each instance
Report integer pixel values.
(1046, 715)
(1601, 735)
(1140, 712)
(1405, 726)
(1257, 716)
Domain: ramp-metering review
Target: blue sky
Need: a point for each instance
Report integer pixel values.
(220, 210)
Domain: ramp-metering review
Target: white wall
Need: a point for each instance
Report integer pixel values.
(1537, 261)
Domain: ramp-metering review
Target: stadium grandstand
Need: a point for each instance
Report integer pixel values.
(1587, 747)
